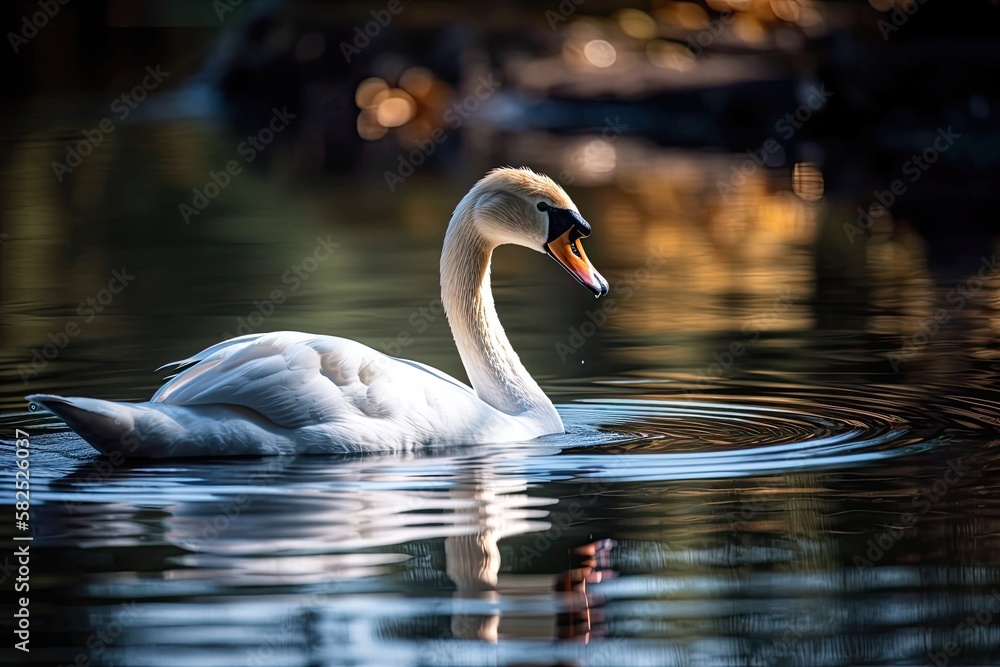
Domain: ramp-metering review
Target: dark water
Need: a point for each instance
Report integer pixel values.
(782, 446)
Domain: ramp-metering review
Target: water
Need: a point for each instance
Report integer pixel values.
(771, 456)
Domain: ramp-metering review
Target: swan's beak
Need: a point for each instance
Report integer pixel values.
(568, 251)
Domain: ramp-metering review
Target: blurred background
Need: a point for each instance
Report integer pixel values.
(794, 202)
(753, 144)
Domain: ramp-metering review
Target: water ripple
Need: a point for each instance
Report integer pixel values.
(769, 431)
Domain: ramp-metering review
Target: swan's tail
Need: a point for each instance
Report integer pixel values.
(130, 429)
(162, 430)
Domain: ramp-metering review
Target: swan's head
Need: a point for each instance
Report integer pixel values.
(520, 207)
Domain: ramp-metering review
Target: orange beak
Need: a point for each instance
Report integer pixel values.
(568, 251)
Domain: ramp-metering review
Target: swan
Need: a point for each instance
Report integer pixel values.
(288, 392)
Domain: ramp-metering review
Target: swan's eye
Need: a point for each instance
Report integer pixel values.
(542, 206)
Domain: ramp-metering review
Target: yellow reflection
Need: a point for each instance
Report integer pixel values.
(395, 110)
(417, 81)
(807, 181)
(810, 18)
(364, 96)
(368, 127)
(600, 53)
(732, 5)
(902, 294)
(762, 10)
(786, 10)
(669, 55)
(636, 23)
(592, 160)
(686, 15)
(786, 219)
(749, 29)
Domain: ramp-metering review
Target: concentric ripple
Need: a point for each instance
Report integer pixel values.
(767, 431)
(647, 431)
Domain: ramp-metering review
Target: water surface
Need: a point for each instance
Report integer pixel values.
(771, 456)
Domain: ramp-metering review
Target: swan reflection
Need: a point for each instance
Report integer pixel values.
(304, 539)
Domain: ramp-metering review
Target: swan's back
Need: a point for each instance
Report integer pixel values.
(336, 390)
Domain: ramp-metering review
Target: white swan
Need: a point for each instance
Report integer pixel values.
(289, 392)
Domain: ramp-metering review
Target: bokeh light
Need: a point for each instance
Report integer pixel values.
(807, 181)
(396, 109)
(636, 23)
(600, 53)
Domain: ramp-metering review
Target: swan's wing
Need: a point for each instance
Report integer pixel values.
(295, 379)
(209, 351)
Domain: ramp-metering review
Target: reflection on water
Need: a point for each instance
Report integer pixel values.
(782, 446)
(604, 546)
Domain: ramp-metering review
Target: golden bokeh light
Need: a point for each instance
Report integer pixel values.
(669, 55)
(786, 10)
(749, 29)
(636, 23)
(592, 160)
(384, 107)
(687, 15)
(810, 18)
(761, 9)
(364, 96)
(730, 5)
(368, 127)
(807, 181)
(417, 81)
(600, 53)
(396, 109)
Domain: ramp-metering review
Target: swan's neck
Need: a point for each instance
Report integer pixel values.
(494, 369)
